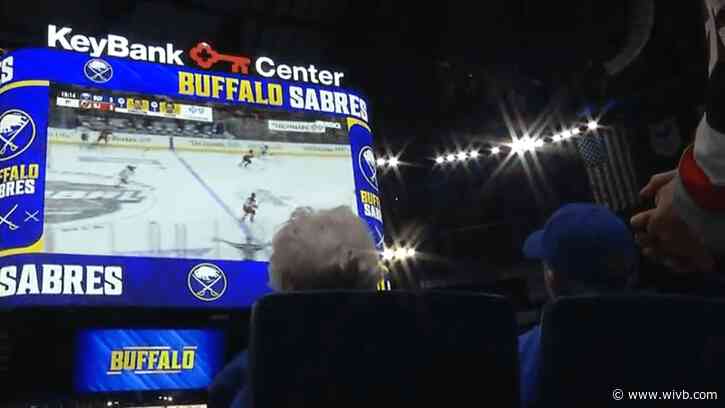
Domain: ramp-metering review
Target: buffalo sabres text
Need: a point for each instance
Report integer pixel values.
(52, 279)
(371, 205)
(18, 180)
(153, 360)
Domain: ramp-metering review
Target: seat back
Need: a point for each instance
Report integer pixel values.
(592, 346)
(382, 348)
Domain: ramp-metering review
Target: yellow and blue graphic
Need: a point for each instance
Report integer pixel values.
(141, 360)
(366, 180)
(23, 127)
(185, 83)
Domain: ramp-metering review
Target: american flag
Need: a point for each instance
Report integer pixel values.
(608, 160)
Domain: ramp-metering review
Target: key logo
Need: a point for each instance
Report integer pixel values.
(206, 57)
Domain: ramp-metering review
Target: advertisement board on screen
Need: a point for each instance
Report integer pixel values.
(109, 360)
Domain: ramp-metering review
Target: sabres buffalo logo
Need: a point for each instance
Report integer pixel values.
(207, 282)
(368, 166)
(98, 71)
(17, 133)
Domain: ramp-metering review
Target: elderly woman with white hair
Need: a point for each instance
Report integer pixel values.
(314, 250)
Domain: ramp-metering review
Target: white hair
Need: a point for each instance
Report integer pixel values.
(323, 249)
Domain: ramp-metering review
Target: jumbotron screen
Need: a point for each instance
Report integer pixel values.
(130, 175)
(147, 176)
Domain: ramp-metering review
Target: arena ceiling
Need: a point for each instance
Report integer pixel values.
(429, 70)
(409, 59)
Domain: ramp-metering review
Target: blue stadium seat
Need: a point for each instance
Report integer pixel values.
(593, 346)
(371, 349)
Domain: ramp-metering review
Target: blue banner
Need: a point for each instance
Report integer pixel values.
(143, 360)
(111, 73)
(367, 180)
(83, 280)
(23, 126)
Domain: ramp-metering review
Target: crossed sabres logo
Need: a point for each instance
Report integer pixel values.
(207, 282)
(98, 71)
(368, 166)
(17, 133)
(5, 219)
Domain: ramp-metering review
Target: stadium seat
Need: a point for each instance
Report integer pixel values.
(374, 349)
(594, 346)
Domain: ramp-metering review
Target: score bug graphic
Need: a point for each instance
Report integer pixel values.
(17, 133)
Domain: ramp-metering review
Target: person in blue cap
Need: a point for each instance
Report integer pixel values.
(584, 249)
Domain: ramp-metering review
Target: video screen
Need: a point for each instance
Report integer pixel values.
(109, 360)
(138, 175)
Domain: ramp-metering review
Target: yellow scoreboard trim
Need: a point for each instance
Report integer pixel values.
(40, 244)
(354, 121)
(23, 84)
(36, 247)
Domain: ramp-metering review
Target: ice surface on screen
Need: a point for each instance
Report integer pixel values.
(132, 175)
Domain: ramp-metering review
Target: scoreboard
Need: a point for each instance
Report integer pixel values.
(125, 263)
(75, 232)
(133, 105)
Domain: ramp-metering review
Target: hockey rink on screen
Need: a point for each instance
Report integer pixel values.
(180, 203)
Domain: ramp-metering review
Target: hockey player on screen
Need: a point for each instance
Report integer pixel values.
(103, 135)
(265, 151)
(125, 175)
(250, 208)
(247, 158)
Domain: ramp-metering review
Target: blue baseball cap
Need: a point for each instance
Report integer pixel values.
(582, 240)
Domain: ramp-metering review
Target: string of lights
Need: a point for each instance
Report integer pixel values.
(517, 146)
(521, 145)
(398, 253)
(391, 161)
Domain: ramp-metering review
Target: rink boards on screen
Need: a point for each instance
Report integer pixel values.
(73, 232)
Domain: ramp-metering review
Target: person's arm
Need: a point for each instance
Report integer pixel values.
(699, 196)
